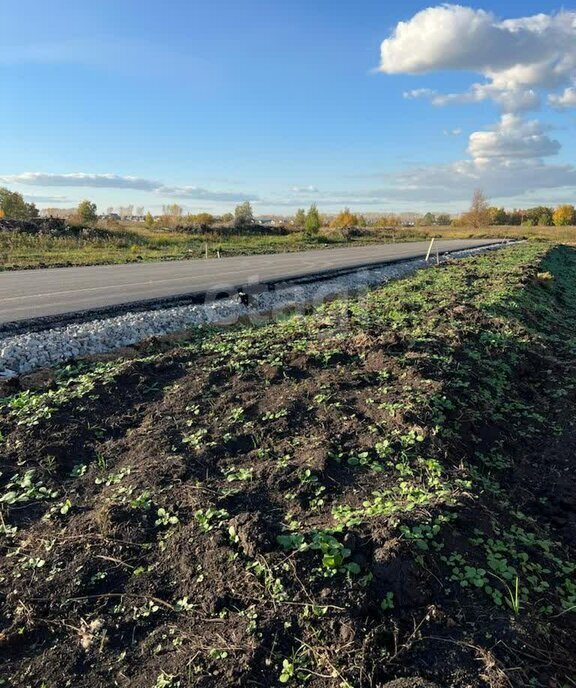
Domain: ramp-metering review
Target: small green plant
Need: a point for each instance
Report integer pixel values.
(165, 680)
(307, 477)
(113, 478)
(143, 502)
(295, 668)
(238, 474)
(237, 415)
(23, 488)
(388, 602)
(195, 439)
(333, 552)
(165, 518)
(210, 518)
(145, 610)
(274, 415)
(513, 599)
(65, 507)
(288, 671)
(183, 605)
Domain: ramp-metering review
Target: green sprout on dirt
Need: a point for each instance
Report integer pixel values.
(388, 602)
(210, 518)
(165, 518)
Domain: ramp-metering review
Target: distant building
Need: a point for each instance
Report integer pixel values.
(267, 221)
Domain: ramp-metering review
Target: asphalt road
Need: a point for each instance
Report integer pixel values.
(28, 294)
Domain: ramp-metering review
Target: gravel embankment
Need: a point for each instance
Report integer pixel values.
(23, 353)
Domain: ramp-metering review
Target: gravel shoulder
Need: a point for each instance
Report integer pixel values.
(30, 348)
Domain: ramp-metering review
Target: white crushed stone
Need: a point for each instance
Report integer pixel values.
(23, 353)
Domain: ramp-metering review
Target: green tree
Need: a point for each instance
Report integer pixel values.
(202, 221)
(515, 218)
(541, 215)
(227, 217)
(313, 223)
(498, 216)
(443, 220)
(243, 215)
(300, 218)
(87, 213)
(15, 207)
(149, 220)
(564, 215)
(427, 220)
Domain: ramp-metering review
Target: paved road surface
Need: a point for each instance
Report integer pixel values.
(27, 294)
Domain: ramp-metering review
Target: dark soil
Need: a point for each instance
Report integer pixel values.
(310, 503)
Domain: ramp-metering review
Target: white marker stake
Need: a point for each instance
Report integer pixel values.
(430, 249)
(206, 249)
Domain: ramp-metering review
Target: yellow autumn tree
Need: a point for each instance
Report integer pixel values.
(345, 219)
(479, 213)
(564, 215)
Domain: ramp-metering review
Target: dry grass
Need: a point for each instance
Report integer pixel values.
(134, 243)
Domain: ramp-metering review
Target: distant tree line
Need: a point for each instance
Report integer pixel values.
(480, 214)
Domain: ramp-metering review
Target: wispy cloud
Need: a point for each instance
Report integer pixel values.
(115, 181)
(125, 57)
(56, 200)
(200, 194)
(304, 189)
(103, 181)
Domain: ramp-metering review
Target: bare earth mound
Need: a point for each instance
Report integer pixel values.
(381, 493)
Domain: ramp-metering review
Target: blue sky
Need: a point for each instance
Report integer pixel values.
(209, 103)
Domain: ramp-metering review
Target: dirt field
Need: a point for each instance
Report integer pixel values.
(379, 493)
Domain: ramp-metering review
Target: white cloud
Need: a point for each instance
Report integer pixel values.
(512, 139)
(505, 161)
(564, 100)
(114, 181)
(521, 60)
(452, 132)
(517, 57)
